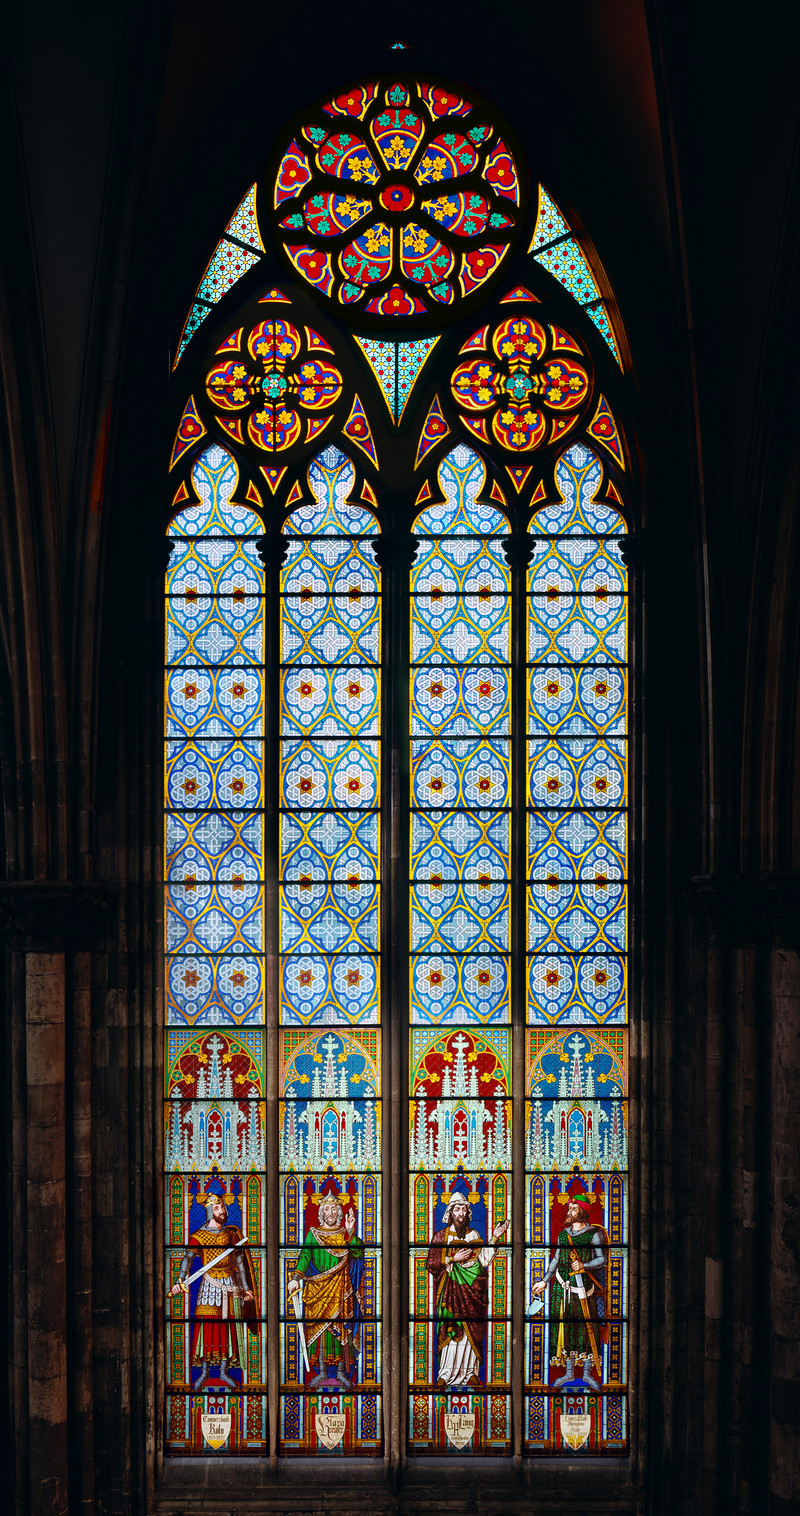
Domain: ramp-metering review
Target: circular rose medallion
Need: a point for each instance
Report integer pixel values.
(522, 383)
(400, 198)
(270, 385)
(397, 197)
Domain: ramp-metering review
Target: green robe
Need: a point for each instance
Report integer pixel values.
(331, 1267)
(571, 1331)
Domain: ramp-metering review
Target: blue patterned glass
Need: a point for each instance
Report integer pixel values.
(577, 1013)
(214, 991)
(329, 985)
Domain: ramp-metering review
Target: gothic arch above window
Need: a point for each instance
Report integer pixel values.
(397, 671)
(399, 201)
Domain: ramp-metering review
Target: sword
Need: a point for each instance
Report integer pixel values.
(580, 1291)
(297, 1306)
(206, 1266)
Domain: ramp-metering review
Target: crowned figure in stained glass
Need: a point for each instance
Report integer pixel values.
(329, 1274)
(225, 1299)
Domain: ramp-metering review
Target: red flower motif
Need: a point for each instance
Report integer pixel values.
(387, 201)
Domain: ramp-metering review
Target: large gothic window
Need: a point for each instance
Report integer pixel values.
(395, 958)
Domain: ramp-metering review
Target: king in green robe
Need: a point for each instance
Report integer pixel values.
(330, 1272)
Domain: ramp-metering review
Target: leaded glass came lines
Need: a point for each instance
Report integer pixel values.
(576, 1061)
(239, 250)
(396, 366)
(460, 1117)
(329, 900)
(557, 250)
(214, 1125)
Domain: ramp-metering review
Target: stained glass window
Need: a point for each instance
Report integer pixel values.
(556, 248)
(398, 198)
(214, 1115)
(460, 1052)
(330, 992)
(239, 250)
(396, 366)
(577, 1049)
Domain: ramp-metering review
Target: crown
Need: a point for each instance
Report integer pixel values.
(318, 1196)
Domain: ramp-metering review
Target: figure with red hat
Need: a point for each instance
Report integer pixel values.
(577, 1273)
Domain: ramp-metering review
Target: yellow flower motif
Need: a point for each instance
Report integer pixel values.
(285, 349)
(415, 240)
(444, 208)
(485, 370)
(240, 372)
(431, 168)
(398, 151)
(239, 393)
(308, 396)
(285, 417)
(261, 418)
(484, 393)
(375, 239)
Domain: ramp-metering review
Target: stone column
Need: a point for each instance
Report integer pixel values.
(781, 1291)
(43, 923)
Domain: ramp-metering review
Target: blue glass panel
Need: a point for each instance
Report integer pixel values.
(329, 969)
(576, 1065)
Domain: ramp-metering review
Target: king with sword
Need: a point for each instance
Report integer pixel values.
(225, 1303)
(576, 1274)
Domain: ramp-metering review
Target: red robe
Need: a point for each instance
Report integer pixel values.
(217, 1335)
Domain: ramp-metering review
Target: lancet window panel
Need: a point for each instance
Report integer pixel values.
(576, 1283)
(460, 1043)
(215, 1083)
(330, 990)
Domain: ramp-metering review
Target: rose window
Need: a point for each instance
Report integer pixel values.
(262, 385)
(529, 386)
(401, 200)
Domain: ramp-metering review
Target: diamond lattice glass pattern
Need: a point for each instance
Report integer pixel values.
(214, 1126)
(577, 1047)
(554, 247)
(229, 262)
(329, 900)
